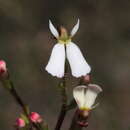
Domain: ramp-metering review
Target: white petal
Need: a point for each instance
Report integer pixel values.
(78, 64)
(75, 29)
(79, 95)
(53, 29)
(56, 62)
(91, 94)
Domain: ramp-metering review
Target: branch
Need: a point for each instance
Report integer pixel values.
(63, 110)
(64, 105)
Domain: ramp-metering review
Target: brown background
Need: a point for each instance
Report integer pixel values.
(104, 38)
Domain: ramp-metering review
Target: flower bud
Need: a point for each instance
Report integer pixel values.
(35, 117)
(20, 122)
(3, 69)
(86, 78)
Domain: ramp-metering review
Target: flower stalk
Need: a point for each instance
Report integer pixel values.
(63, 92)
(10, 87)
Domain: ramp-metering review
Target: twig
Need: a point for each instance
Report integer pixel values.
(19, 100)
(10, 87)
(63, 110)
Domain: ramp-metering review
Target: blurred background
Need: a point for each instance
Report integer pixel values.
(104, 38)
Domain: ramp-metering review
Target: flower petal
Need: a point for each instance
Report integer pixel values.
(53, 29)
(75, 29)
(79, 95)
(91, 94)
(78, 64)
(56, 62)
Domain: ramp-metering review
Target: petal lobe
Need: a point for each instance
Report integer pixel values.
(56, 62)
(78, 64)
(75, 29)
(53, 29)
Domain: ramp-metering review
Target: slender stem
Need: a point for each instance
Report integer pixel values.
(18, 99)
(64, 105)
(8, 84)
(63, 110)
(61, 118)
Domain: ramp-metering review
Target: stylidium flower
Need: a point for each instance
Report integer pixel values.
(35, 117)
(85, 96)
(65, 48)
(20, 123)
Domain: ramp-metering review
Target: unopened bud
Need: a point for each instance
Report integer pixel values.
(35, 117)
(86, 78)
(3, 69)
(20, 123)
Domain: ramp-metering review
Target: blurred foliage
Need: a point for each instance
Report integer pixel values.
(104, 38)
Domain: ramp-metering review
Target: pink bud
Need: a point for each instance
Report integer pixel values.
(86, 78)
(20, 122)
(3, 68)
(35, 117)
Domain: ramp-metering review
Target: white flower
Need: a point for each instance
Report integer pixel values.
(85, 96)
(56, 64)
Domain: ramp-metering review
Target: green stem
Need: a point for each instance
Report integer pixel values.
(63, 110)
(64, 105)
(19, 101)
(71, 105)
(10, 87)
(8, 84)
